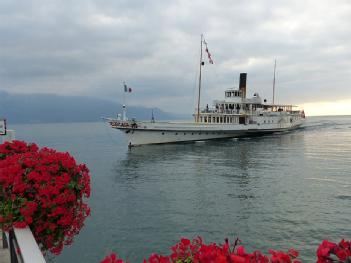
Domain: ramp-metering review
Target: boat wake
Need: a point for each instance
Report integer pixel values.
(316, 126)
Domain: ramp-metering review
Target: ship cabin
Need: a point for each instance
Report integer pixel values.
(237, 109)
(233, 109)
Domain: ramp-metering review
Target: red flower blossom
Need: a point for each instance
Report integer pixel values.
(293, 253)
(20, 224)
(328, 252)
(241, 251)
(112, 259)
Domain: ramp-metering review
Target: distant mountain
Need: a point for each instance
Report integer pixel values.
(45, 108)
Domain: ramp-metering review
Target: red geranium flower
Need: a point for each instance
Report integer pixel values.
(196, 251)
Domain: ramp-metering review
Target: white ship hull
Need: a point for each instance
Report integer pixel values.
(168, 132)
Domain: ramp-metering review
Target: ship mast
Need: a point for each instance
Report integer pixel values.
(275, 65)
(124, 109)
(199, 92)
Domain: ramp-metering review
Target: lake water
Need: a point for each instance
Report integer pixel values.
(278, 191)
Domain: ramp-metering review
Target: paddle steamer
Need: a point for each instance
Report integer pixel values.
(233, 116)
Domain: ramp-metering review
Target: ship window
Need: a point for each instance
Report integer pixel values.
(192, 133)
(176, 133)
(199, 133)
(163, 133)
(184, 133)
(217, 119)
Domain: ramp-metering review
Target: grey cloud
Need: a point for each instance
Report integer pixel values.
(90, 47)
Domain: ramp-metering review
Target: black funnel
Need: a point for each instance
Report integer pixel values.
(242, 84)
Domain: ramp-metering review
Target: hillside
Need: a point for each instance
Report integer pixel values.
(45, 108)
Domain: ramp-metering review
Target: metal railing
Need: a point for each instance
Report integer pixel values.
(22, 245)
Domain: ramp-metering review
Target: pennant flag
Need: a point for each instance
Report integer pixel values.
(208, 53)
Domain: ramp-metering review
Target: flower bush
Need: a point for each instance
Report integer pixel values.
(331, 252)
(45, 190)
(197, 251)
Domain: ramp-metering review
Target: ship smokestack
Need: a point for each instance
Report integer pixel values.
(242, 84)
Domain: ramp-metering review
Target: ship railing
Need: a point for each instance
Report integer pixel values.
(124, 124)
(22, 246)
(221, 111)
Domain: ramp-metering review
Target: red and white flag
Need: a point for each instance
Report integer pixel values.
(210, 60)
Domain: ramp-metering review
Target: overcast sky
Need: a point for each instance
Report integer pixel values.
(89, 48)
